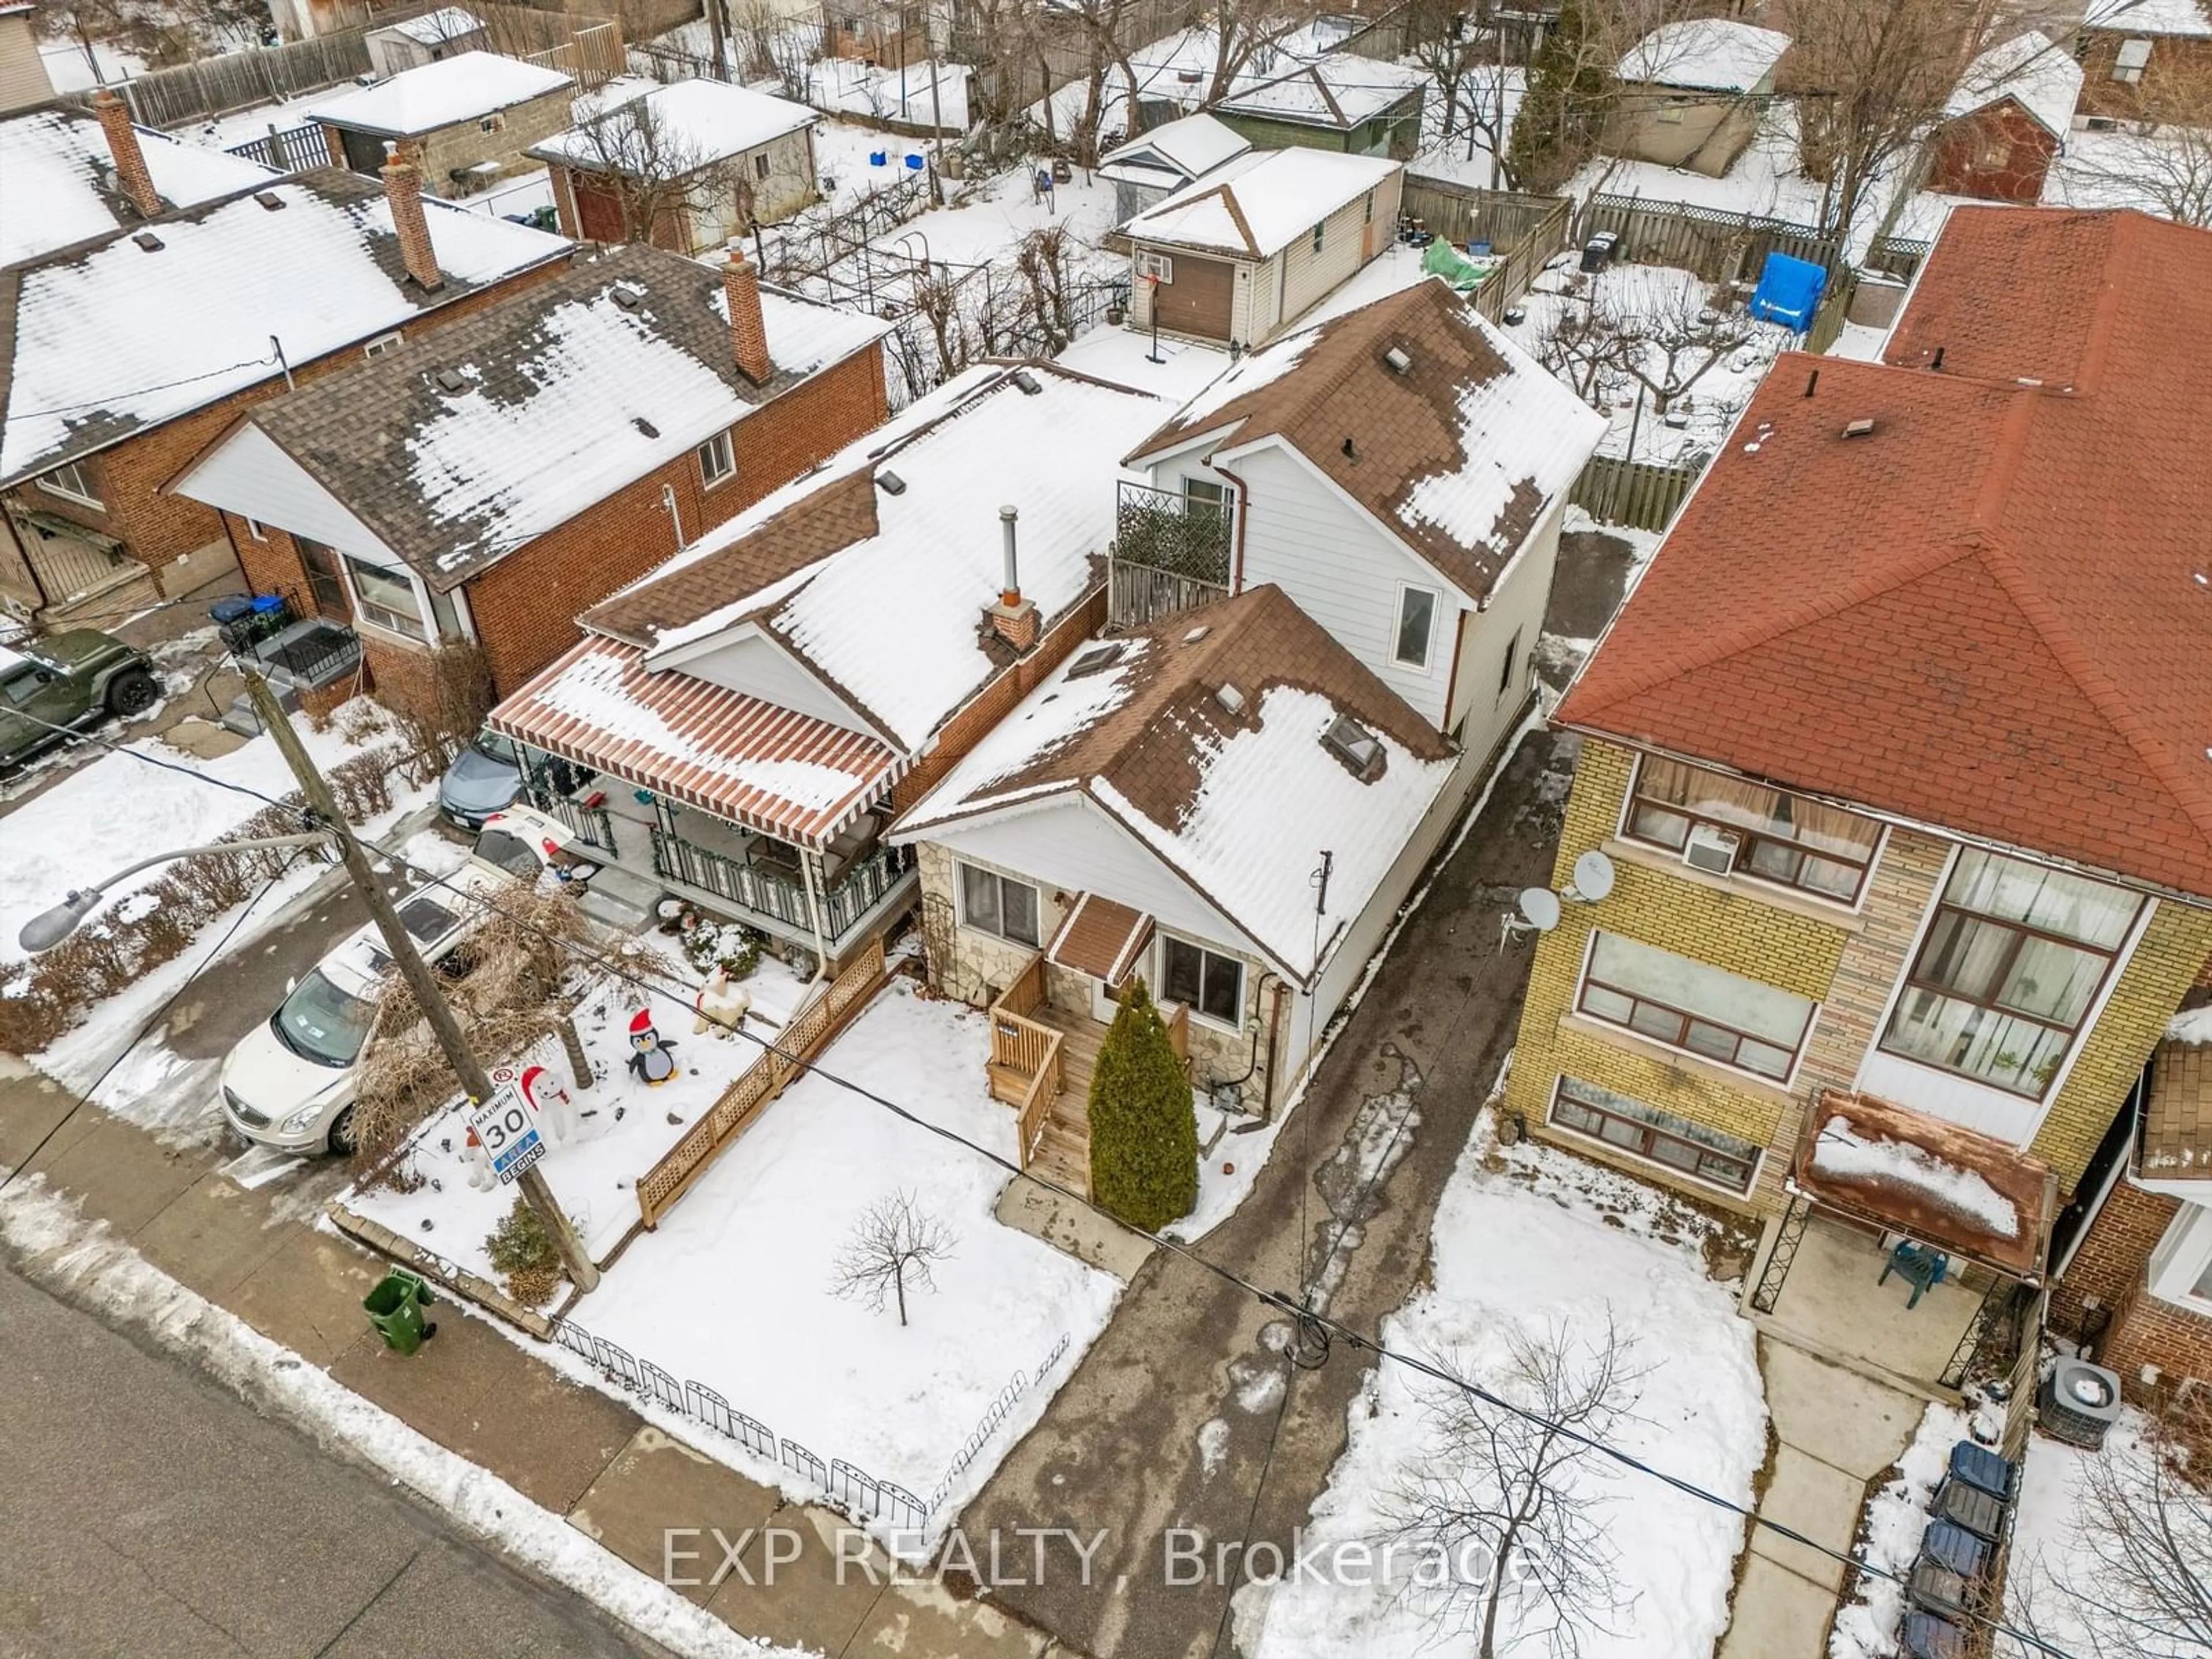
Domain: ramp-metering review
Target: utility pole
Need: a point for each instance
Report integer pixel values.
(447, 1030)
(936, 132)
(715, 31)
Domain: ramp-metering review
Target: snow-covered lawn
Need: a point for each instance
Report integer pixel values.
(990, 218)
(841, 150)
(1123, 355)
(921, 94)
(623, 1126)
(734, 1290)
(1526, 1238)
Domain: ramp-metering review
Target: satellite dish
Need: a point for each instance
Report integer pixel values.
(1540, 905)
(1592, 877)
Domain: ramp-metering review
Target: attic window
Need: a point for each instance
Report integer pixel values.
(149, 241)
(453, 380)
(270, 200)
(629, 297)
(1356, 746)
(1095, 661)
(1027, 382)
(1399, 362)
(645, 426)
(891, 484)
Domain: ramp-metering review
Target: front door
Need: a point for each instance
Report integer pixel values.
(325, 585)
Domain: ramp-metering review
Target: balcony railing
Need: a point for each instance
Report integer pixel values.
(1170, 554)
(770, 893)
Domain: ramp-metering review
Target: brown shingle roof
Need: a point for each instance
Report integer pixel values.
(2177, 1129)
(1381, 436)
(1992, 613)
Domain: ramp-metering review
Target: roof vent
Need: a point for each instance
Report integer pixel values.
(147, 240)
(630, 298)
(1399, 362)
(645, 426)
(1230, 698)
(452, 380)
(891, 484)
(270, 199)
(1095, 661)
(1351, 450)
(1356, 746)
(1197, 633)
(1860, 428)
(1027, 382)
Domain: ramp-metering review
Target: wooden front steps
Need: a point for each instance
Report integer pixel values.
(1063, 1150)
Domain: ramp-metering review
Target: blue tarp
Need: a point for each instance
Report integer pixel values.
(1789, 291)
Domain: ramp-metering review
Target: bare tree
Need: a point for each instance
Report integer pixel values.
(2162, 167)
(1519, 1495)
(1572, 91)
(2138, 1582)
(769, 42)
(893, 1244)
(1245, 35)
(1588, 355)
(659, 175)
(1674, 342)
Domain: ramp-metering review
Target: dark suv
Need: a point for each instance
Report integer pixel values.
(72, 680)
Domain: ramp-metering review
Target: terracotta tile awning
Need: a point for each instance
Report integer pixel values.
(755, 763)
(1101, 939)
(1967, 1193)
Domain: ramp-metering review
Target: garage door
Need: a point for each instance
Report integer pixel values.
(1198, 297)
(598, 212)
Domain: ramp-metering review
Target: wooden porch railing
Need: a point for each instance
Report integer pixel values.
(659, 1187)
(1179, 1031)
(1024, 1055)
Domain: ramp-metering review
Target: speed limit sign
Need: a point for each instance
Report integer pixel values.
(506, 1127)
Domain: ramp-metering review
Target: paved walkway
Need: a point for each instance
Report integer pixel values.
(1837, 1431)
(571, 1450)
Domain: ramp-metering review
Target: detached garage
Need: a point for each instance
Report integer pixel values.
(1240, 254)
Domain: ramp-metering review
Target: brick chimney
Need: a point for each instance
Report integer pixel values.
(747, 331)
(1013, 618)
(129, 160)
(403, 188)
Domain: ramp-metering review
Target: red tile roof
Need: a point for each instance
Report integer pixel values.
(1993, 613)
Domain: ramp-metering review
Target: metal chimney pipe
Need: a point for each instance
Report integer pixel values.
(1010, 595)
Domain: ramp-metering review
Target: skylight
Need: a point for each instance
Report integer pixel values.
(1356, 746)
(1096, 660)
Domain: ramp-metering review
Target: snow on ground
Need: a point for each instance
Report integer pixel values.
(989, 219)
(1123, 355)
(1463, 157)
(1895, 1518)
(1523, 1240)
(623, 1127)
(84, 1262)
(841, 150)
(921, 94)
(2052, 1523)
(2155, 171)
(69, 72)
(734, 1290)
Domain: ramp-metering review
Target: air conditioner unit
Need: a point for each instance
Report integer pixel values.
(1712, 850)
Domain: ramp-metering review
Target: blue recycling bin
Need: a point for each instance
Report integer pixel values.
(878, 158)
(914, 163)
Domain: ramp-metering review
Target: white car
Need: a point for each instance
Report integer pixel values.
(289, 1083)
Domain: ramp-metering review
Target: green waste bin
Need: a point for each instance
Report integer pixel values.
(395, 1308)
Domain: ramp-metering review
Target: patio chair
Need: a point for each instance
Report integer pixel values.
(1930, 1636)
(1964, 1506)
(1919, 1265)
(1983, 1470)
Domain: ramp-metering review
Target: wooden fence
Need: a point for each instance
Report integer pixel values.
(1719, 246)
(1642, 494)
(1900, 257)
(1833, 311)
(1523, 231)
(288, 150)
(1025, 1068)
(807, 1035)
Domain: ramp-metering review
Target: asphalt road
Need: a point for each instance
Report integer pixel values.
(146, 1513)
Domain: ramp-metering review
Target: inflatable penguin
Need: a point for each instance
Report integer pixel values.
(722, 1006)
(651, 1060)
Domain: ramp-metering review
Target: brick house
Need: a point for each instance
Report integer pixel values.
(2006, 119)
(748, 719)
(709, 160)
(2145, 60)
(122, 355)
(470, 118)
(511, 472)
(1318, 656)
(1907, 886)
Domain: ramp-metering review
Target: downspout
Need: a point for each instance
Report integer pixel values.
(808, 859)
(1243, 505)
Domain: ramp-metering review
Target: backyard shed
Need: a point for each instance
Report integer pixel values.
(470, 117)
(1690, 93)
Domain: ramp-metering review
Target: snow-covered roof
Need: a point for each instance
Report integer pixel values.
(111, 339)
(1205, 737)
(1261, 202)
(1844, 1152)
(56, 181)
(465, 88)
(696, 122)
(881, 591)
(1704, 54)
(2150, 16)
(1460, 455)
(2042, 77)
(1338, 93)
(1176, 151)
(435, 28)
(569, 389)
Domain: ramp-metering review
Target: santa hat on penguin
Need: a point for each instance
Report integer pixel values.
(651, 1058)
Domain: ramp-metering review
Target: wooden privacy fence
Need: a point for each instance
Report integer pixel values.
(170, 97)
(1523, 231)
(1024, 1055)
(1642, 494)
(1900, 257)
(1719, 246)
(807, 1035)
(288, 150)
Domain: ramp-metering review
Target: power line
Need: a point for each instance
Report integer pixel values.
(109, 400)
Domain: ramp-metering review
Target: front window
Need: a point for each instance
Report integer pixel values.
(323, 1024)
(760, 165)
(1505, 669)
(2012, 961)
(1204, 980)
(1417, 618)
(716, 462)
(1784, 838)
(1693, 1007)
(1630, 1125)
(992, 903)
(72, 483)
(387, 600)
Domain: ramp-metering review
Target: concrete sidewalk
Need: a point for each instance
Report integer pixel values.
(571, 1450)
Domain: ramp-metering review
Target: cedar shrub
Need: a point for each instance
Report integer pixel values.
(1144, 1126)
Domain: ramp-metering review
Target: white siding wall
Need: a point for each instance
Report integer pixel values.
(1311, 277)
(1516, 607)
(760, 669)
(250, 476)
(1340, 569)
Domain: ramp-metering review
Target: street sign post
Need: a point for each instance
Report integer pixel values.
(508, 1132)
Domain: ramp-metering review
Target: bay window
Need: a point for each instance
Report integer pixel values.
(1785, 839)
(2013, 960)
(992, 903)
(1693, 1007)
(1204, 981)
